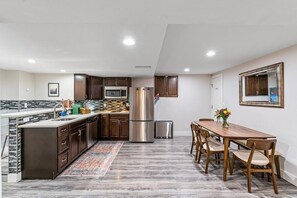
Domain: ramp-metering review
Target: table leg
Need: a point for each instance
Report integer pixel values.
(226, 157)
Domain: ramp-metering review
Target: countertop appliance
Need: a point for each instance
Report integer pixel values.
(164, 129)
(92, 130)
(141, 122)
(115, 92)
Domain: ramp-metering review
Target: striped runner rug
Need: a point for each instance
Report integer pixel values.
(96, 161)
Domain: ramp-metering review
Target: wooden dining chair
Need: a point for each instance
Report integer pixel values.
(256, 161)
(243, 143)
(217, 138)
(210, 148)
(194, 137)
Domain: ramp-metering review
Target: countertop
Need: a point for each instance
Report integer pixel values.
(74, 118)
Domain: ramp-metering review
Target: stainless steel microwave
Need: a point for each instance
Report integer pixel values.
(111, 92)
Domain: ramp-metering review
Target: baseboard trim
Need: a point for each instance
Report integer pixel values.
(182, 133)
(289, 177)
(14, 177)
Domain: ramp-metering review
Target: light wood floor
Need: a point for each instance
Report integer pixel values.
(162, 169)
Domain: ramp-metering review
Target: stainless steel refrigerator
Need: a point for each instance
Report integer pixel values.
(141, 122)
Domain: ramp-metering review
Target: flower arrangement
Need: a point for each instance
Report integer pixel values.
(224, 114)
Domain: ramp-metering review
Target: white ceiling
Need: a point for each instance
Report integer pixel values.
(86, 35)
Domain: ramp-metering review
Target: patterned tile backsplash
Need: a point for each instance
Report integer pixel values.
(110, 105)
(31, 104)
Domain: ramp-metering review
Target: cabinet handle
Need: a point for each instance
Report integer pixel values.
(63, 130)
(64, 160)
(63, 143)
(79, 132)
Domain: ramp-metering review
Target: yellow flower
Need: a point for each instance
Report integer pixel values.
(229, 111)
(225, 112)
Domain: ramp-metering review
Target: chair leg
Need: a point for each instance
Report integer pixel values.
(197, 153)
(192, 148)
(207, 162)
(199, 156)
(277, 166)
(274, 181)
(249, 178)
(232, 165)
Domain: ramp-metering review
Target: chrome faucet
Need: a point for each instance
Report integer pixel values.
(55, 108)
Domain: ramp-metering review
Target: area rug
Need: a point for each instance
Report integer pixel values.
(96, 161)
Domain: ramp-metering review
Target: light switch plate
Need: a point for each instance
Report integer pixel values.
(25, 105)
(27, 119)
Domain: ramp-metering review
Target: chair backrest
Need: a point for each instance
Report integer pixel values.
(206, 119)
(204, 135)
(264, 145)
(194, 128)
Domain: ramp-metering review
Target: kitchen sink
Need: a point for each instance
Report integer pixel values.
(63, 119)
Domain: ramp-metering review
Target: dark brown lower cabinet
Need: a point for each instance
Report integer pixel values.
(48, 151)
(114, 127)
(119, 126)
(104, 132)
(77, 139)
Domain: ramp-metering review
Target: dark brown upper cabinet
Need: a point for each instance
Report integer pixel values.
(95, 88)
(81, 88)
(88, 87)
(256, 85)
(117, 81)
(166, 86)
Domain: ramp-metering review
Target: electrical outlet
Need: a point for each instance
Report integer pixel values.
(27, 119)
(25, 105)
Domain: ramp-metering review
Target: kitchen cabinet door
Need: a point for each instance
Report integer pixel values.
(81, 86)
(82, 139)
(172, 86)
(160, 86)
(114, 128)
(95, 88)
(166, 86)
(109, 82)
(124, 128)
(104, 126)
(74, 145)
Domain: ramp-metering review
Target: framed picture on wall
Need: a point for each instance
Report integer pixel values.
(53, 89)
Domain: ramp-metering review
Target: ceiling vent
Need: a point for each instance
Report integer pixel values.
(143, 67)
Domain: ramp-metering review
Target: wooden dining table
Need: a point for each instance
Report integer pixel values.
(233, 132)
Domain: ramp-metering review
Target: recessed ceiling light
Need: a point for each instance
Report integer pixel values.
(210, 53)
(129, 41)
(63, 70)
(187, 69)
(31, 61)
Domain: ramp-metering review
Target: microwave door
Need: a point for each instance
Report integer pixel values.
(113, 94)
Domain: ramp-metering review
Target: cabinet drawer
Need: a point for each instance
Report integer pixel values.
(63, 144)
(63, 160)
(119, 116)
(63, 132)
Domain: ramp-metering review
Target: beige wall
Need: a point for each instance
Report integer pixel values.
(278, 122)
(26, 86)
(19, 85)
(9, 83)
(143, 82)
(66, 83)
(192, 103)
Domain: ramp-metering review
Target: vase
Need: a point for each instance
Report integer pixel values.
(225, 123)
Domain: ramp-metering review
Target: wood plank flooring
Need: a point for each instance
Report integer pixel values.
(162, 169)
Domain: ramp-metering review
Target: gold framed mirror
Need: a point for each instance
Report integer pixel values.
(262, 87)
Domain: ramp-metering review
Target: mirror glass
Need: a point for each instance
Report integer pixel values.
(262, 87)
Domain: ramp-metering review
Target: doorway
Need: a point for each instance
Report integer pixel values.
(216, 93)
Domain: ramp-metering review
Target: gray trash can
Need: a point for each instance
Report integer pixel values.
(164, 129)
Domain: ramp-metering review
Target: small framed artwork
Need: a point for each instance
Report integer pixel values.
(53, 89)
